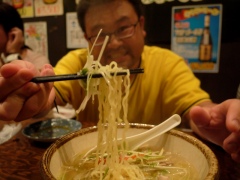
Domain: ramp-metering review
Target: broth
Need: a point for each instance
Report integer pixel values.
(158, 165)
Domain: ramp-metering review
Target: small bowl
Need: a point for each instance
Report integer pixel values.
(193, 150)
(51, 129)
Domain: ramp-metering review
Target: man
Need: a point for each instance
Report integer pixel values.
(166, 87)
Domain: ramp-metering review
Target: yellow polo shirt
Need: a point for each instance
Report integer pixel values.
(166, 87)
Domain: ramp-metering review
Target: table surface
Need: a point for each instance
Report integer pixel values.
(20, 158)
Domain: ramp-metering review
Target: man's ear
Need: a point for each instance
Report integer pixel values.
(142, 25)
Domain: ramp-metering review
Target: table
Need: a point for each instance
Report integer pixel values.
(20, 158)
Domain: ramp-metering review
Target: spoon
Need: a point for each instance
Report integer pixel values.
(137, 140)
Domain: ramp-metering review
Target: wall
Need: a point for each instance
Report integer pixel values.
(221, 86)
(56, 29)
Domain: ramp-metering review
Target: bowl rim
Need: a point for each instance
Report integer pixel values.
(208, 153)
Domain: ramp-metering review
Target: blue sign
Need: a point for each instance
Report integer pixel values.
(196, 35)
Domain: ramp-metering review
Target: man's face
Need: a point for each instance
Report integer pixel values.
(111, 17)
(3, 39)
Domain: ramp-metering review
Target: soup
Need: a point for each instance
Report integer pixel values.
(152, 165)
(67, 151)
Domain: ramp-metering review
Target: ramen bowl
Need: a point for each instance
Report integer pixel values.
(64, 150)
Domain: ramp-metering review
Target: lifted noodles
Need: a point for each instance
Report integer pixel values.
(112, 93)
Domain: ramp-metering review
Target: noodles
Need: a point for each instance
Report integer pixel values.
(112, 93)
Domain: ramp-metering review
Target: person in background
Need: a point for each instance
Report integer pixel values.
(166, 87)
(12, 45)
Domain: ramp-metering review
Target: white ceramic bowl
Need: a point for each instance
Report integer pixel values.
(192, 149)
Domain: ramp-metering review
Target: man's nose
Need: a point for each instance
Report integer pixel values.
(114, 40)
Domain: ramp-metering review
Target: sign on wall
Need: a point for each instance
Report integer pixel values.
(196, 32)
(48, 7)
(75, 36)
(35, 34)
(24, 7)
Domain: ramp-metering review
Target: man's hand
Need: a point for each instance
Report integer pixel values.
(219, 124)
(21, 99)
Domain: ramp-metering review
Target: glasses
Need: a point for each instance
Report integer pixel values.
(121, 33)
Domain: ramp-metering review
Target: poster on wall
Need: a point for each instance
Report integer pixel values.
(35, 34)
(75, 36)
(196, 36)
(48, 7)
(24, 7)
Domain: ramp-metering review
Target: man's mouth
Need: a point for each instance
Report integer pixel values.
(117, 56)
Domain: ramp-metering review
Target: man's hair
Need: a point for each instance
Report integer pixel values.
(84, 5)
(9, 17)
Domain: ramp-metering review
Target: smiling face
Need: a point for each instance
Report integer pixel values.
(111, 17)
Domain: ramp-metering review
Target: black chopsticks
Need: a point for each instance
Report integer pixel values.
(65, 77)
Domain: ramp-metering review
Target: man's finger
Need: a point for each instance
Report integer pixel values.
(13, 103)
